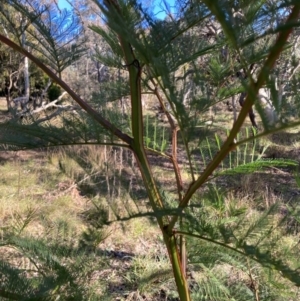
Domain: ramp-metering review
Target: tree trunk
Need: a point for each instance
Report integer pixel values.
(26, 68)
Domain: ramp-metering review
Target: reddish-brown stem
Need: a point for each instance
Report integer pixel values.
(174, 130)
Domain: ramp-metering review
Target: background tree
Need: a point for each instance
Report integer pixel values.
(54, 38)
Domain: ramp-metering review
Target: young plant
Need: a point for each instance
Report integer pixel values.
(162, 59)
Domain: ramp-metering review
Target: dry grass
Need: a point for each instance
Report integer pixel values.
(136, 261)
(32, 182)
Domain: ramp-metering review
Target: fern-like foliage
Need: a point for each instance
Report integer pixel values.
(37, 269)
(190, 63)
(56, 35)
(50, 275)
(241, 239)
(67, 129)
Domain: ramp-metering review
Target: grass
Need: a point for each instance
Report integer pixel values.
(73, 195)
(135, 258)
(30, 184)
(61, 212)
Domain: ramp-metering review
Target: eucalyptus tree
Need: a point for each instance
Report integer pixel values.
(186, 76)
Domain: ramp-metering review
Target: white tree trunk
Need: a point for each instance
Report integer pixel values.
(26, 69)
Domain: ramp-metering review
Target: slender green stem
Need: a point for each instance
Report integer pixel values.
(154, 135)
(147, 130)
(157, 153)
(268, 132)
(246, 148)
(137, 145)
(179, 274)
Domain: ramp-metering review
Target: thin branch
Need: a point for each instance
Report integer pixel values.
(212, 241)
(268, 132)
(174, 130)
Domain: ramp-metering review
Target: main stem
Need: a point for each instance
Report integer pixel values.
(137, 145)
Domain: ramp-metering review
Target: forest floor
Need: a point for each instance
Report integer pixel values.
(130, 258)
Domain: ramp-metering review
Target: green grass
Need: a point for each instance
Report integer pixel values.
(60, 190)
(59, 213)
